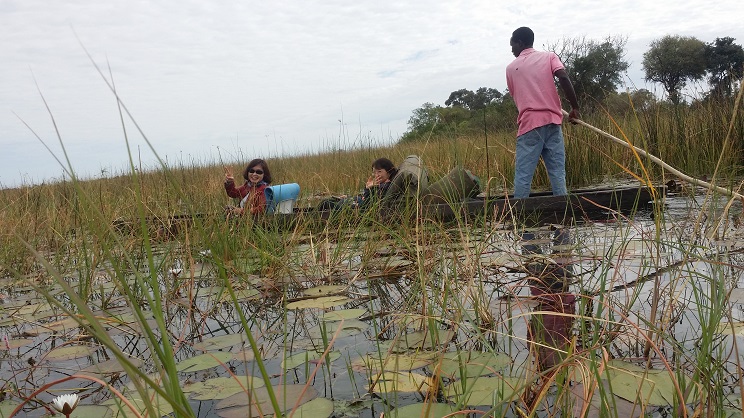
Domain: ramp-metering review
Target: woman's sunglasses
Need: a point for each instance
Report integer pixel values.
(252, 171)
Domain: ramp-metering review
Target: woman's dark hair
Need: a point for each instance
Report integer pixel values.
(387, 165)
(264, 167)
(524, 35)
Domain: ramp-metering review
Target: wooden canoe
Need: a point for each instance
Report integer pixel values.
(593, 204)
(584, 203)
(540, 207)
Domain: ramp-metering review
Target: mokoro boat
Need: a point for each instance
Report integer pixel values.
(540, 207)
(590, 204)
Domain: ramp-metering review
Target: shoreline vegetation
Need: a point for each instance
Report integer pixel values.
(704, 140)
(422, 293)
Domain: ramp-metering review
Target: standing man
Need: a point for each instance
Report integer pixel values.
(530, 79)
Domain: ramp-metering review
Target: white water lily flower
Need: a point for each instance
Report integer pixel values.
(66, 403)
(176, 271)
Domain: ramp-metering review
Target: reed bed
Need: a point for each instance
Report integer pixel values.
(442, 318)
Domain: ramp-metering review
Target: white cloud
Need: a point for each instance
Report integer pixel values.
(275, 77)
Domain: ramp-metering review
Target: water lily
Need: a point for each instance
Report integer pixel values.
(66, 403)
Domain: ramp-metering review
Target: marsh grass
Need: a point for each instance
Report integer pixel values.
(429, 289)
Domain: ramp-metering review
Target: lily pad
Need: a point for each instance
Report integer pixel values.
(647, 386)
(324, 290)
(298, 359)
(466, 364)
(70, 352)
(317, 408)
(485, 390)
(93, 411)
(389, 382)
(319, 303)
(34, 309)
(343, 314)
(393, 362)
(204, 361)
(348, 328)
(258, 403)
(121, 410)
(244, 354)
(220, 342)
(425, 340)
(222, 387)
(110, 366)
(15, 343)
(6, 407)
(730, 328)
(247, 294)
(418, 410)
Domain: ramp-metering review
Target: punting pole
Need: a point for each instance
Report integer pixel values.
(659, 161)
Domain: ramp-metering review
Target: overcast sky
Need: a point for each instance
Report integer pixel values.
(239, 80)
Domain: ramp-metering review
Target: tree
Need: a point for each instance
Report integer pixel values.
(477, 100)
(725, 61)
(595, 67)
(673, 61)
(424, 119)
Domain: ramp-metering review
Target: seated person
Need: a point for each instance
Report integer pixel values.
(251, 194)
(383, 171)
(387, 183)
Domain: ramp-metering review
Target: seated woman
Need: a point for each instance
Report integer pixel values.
(383, 170)
(251, 194)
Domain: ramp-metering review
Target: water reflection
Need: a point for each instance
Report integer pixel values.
(549, 330)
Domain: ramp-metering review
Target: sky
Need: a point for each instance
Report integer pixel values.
(204, 82)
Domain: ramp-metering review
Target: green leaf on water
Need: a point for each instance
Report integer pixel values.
(15, 343)
(647, 386)
(393, 362)
(121, 410)
(348, 328)
(730, 328)
(389, 382)
(110, 366)
(221, 387)
(93, 411)
(421, 340)
(317, 408)
(485, 390)
(70, 352)
(6, 407)
(324, 290)
(244, 354)
(418, 410)
(319, 303)
(454, 364)
(204, 361)
(298, 359)
(220, 342)
(240, 405)
(249, 293)
(343, 314)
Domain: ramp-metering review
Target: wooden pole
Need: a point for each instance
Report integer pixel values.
(659, 161)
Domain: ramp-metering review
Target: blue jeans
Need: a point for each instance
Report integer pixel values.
(545, 141)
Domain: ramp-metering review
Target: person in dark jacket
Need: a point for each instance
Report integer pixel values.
(251, 194)
(383, 171)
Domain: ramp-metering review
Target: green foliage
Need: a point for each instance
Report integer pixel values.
(467, 113)
(480, 99)
(673, 61)
(423, 120)
(595, 67)
(725, 65)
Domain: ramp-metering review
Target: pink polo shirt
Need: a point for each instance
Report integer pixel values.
(531, 83)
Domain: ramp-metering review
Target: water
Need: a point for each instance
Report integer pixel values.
(472, 290)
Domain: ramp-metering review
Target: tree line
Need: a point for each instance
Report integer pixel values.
(596, 68)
